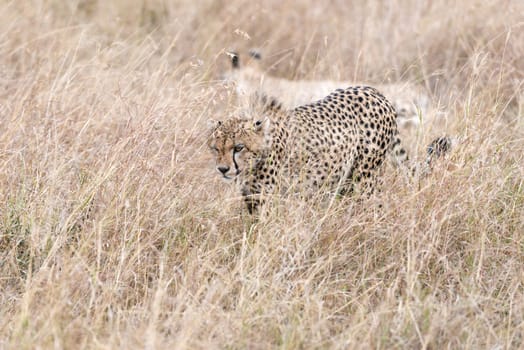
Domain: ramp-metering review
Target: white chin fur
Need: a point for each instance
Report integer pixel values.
(228, 178)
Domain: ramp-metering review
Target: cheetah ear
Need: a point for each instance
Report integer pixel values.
(254, 53)
(265, 103)
(233, 56)
(260, 124)
(271, 104)
(213, 124)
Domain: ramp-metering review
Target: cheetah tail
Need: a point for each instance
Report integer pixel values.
(438, 148)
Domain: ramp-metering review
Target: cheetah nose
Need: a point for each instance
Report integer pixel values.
(223, 169)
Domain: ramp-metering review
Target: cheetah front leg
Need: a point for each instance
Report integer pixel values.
(251, 198)
(254, 195)
(252, 204)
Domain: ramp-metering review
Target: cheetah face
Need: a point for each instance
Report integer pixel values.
(238, 145)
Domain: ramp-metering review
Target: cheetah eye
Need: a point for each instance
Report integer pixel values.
(238, 147)
(258, 123)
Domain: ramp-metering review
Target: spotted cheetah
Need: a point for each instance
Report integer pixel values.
(338, 143)
(248, 78)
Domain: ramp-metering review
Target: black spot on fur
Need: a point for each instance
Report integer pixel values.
(439, 146)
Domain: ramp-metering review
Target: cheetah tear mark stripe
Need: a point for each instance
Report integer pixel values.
(235, 162)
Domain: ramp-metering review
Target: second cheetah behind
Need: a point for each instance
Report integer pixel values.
(248, 76)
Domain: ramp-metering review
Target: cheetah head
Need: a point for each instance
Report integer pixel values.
(238, 145)
(252, 58)
(245, 73)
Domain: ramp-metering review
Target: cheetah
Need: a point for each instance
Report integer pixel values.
(338, 144)
(248, 77)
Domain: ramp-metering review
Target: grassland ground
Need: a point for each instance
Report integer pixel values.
(115, 231)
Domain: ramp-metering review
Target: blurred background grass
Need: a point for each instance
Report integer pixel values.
(116, 233)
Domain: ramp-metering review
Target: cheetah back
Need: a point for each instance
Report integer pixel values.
(333, 143)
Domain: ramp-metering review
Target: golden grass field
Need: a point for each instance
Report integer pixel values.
(116, 231)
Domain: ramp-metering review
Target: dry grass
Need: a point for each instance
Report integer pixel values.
(116, 233)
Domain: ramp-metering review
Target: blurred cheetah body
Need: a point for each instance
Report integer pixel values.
(409, 100)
